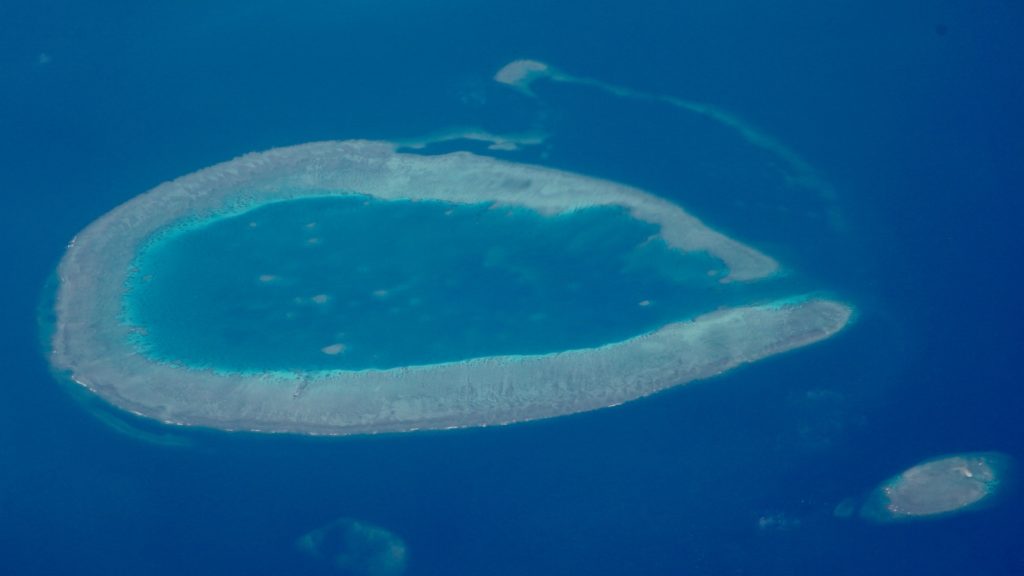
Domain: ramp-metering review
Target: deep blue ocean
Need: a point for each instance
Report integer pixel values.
(910, 111)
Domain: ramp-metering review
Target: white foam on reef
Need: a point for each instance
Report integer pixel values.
(506, 142)
(94, 344)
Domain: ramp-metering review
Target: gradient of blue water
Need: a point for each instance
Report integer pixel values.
(911, 109)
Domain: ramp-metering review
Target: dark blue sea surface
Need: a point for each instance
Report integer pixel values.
(910, 111)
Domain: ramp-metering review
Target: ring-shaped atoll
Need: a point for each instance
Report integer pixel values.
(96, 347)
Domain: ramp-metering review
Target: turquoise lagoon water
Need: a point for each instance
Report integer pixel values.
(355, 283)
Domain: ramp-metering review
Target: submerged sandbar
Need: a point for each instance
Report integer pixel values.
(94, 344)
